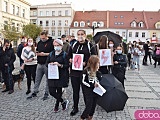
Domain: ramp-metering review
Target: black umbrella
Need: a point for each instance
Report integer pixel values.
(115, 97)
(111, 36)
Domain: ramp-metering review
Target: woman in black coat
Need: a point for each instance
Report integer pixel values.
(58, 57)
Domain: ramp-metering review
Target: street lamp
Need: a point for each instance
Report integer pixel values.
(93, 27)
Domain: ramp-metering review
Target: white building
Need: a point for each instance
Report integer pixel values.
(14, 12)
(55, 18)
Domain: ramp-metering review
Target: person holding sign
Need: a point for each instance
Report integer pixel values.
(58, 78)
(79, 54)
(90, 79)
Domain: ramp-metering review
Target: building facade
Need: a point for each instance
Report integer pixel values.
(15, 13)
(54, 18)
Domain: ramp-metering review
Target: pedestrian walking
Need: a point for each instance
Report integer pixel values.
(30, 63)
(66, 45)
(129, 56)
(44, 47)
(157, 53)
(90, 79)
(59, 57)
(8, 57)
(82, 46)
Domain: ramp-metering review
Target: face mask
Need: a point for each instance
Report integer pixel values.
(129, 45)
(119, 51)
(80, 38)
(43, 40)
(30, 44)
(111, 45)
(137, 44)
(0, 44)
(57, 48)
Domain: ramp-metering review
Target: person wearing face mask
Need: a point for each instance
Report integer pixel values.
(44, 47)
(82, 46)
(8, 57)
(129, 55)
(136, 53)
(120, 63)
(58, 57)
(66, 45)
(30, 61)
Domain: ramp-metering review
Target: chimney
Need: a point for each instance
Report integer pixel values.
(132, 9)
(83, 10)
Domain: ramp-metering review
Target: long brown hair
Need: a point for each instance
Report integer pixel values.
(92, 64)
(103, 42)
(32, 47)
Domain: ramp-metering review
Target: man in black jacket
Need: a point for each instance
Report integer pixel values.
(8, 57)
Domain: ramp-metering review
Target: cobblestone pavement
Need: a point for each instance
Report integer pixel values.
(142, 88)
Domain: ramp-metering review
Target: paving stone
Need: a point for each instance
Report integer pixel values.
(137, 88)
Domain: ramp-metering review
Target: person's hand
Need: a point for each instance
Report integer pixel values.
(84, 63)
(30, 60)
(70, 60)
(51, 63)
(41, 54)
(6, 65)
(56, 63)
(115, 62)
(25, 60)
(4, 48)
(95, 85)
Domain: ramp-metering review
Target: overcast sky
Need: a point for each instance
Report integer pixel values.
(127, 5)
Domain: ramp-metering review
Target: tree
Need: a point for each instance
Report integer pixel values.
(89, 37)
(10, 32)
(32, 30)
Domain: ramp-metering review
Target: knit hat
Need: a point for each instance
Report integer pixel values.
(59, 41)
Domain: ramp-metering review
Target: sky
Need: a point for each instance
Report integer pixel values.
(118, 5)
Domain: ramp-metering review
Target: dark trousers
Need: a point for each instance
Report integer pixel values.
(91, 100)
(76, 82)
(56, 92)
(7, 76)
(157, 60)
(129, 59)
(145, 58)
(30, 72)
(21, 63)
(149, 55)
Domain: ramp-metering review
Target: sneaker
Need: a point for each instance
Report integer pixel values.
(65, 105)
(6, 90)
(28, 91)
(56, 108)
(33, 95)
(45, 97)
(74, 112)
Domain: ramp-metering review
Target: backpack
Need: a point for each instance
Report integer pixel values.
(64, 55)
(157, 52)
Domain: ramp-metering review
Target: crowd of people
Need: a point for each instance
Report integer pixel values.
(35, 58)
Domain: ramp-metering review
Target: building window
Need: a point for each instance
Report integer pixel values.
(141, 24)
(34, 13)
(5, 25)
(59, 32)
(94, 24)
(13, 26)
(17, 28)
(53, 22)
(82, 24)
(121, 16)
(130, 34)
(66, 23)
(158, 26)
(133, 24)
(122, 23)
(123, 34)
(59, 13)
(13, 9)
(75, 24)
(143, 34)
(59, 22)
(17, 11)
(136, 34)
(115, 16)
(66, 12)
(41, 23)
(53, 32)
(47, 13)
(115, 23)
(23, 13)
(117, 32)
(5, 6)
(154, 34)
(101, 24)
(53, 13)
(47, 23)
(41, 13)
(66, 32)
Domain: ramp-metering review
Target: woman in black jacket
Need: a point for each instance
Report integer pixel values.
(90, 79)
(82, 46)
(58, 57)
(120, 63)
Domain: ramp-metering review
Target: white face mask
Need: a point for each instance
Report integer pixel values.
(111, 45)
(119, 51)
(137, 44)
(81, 38)
(57, 48)
(30, 43)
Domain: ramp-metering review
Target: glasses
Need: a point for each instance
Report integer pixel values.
(80, 34)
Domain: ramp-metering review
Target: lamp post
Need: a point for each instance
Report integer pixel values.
(93, 27)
